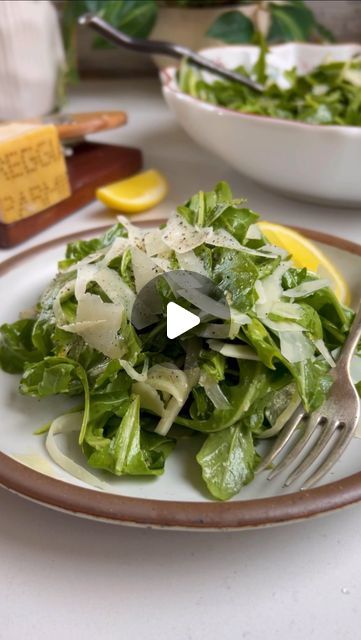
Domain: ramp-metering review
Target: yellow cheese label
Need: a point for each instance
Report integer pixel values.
(33, 173)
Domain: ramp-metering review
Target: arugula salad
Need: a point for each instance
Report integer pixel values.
(330, 94)
(135, 397)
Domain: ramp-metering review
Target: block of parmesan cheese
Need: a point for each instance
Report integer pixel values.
(33, 173)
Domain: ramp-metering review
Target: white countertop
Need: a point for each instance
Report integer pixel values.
(64, 577)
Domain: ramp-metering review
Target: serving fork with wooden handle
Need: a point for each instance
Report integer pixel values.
(336, 420)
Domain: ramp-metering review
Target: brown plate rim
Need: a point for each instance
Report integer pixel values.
(169, 514)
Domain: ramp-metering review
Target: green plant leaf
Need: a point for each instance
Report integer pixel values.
(325, 33)
(290, 22)
(236, 273)
(16, 346)
(232, 27)
(134, 17)
(132, 451)
(227, 459)
(78, 250)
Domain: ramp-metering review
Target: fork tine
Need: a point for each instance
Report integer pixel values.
(283, 437)
(310, 426)
(309, 459)
(335, 453)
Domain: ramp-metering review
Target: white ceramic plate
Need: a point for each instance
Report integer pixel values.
(306, 161)
(177, 499)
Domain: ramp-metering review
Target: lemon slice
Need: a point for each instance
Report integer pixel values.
(136, 194)
(306, 254)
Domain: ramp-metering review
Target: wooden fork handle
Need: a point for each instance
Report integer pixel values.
(74, 126)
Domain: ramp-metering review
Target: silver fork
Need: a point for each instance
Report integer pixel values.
(171, 49)
(340, 412)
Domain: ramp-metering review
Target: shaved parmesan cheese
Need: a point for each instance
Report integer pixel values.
(92, 308)
(277, 251)
(99, 335)
(135, 234)
(253, 232)
(295, 347)
(287, 310)
(181, 236)
(84, 275)
(98, 323)
(115, 288)
(190, 262)
(306, 288)
(144, 268)
(153, 243)
(163, 263)
(116, 250)
(239, 317)
(271, 291)
(239, 351)
(213, 331)
(110, 282)
(205, 303)
(90, 259)
(237, 320)
(283, 325)
(260, 292)
(63, 425)
(222, 238)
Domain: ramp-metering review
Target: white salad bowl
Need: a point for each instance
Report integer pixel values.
(320, 163)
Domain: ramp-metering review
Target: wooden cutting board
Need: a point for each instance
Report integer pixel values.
(91, 166)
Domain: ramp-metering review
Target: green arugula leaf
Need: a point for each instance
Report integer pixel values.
(213, 364)
(82, 248)
(253, 383)
(51, 376)
(228, 459)
(293, 277)
(311, 377)
(328, 95)
(55, 375)
(16, 346)
(235, 273)
(131, 451)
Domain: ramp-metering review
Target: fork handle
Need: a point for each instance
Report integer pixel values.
(164, 48)
(350, 345)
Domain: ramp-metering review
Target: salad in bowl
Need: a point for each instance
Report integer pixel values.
(300, 136)
(232, 380)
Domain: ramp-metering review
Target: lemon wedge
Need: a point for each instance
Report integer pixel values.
(306, 254)
(133, 195)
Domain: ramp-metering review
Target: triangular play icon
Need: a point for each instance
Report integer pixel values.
(179, 320)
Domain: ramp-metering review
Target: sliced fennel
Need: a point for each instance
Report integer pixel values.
(69, 423)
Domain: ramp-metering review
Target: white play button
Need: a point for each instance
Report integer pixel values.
(179, 320)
